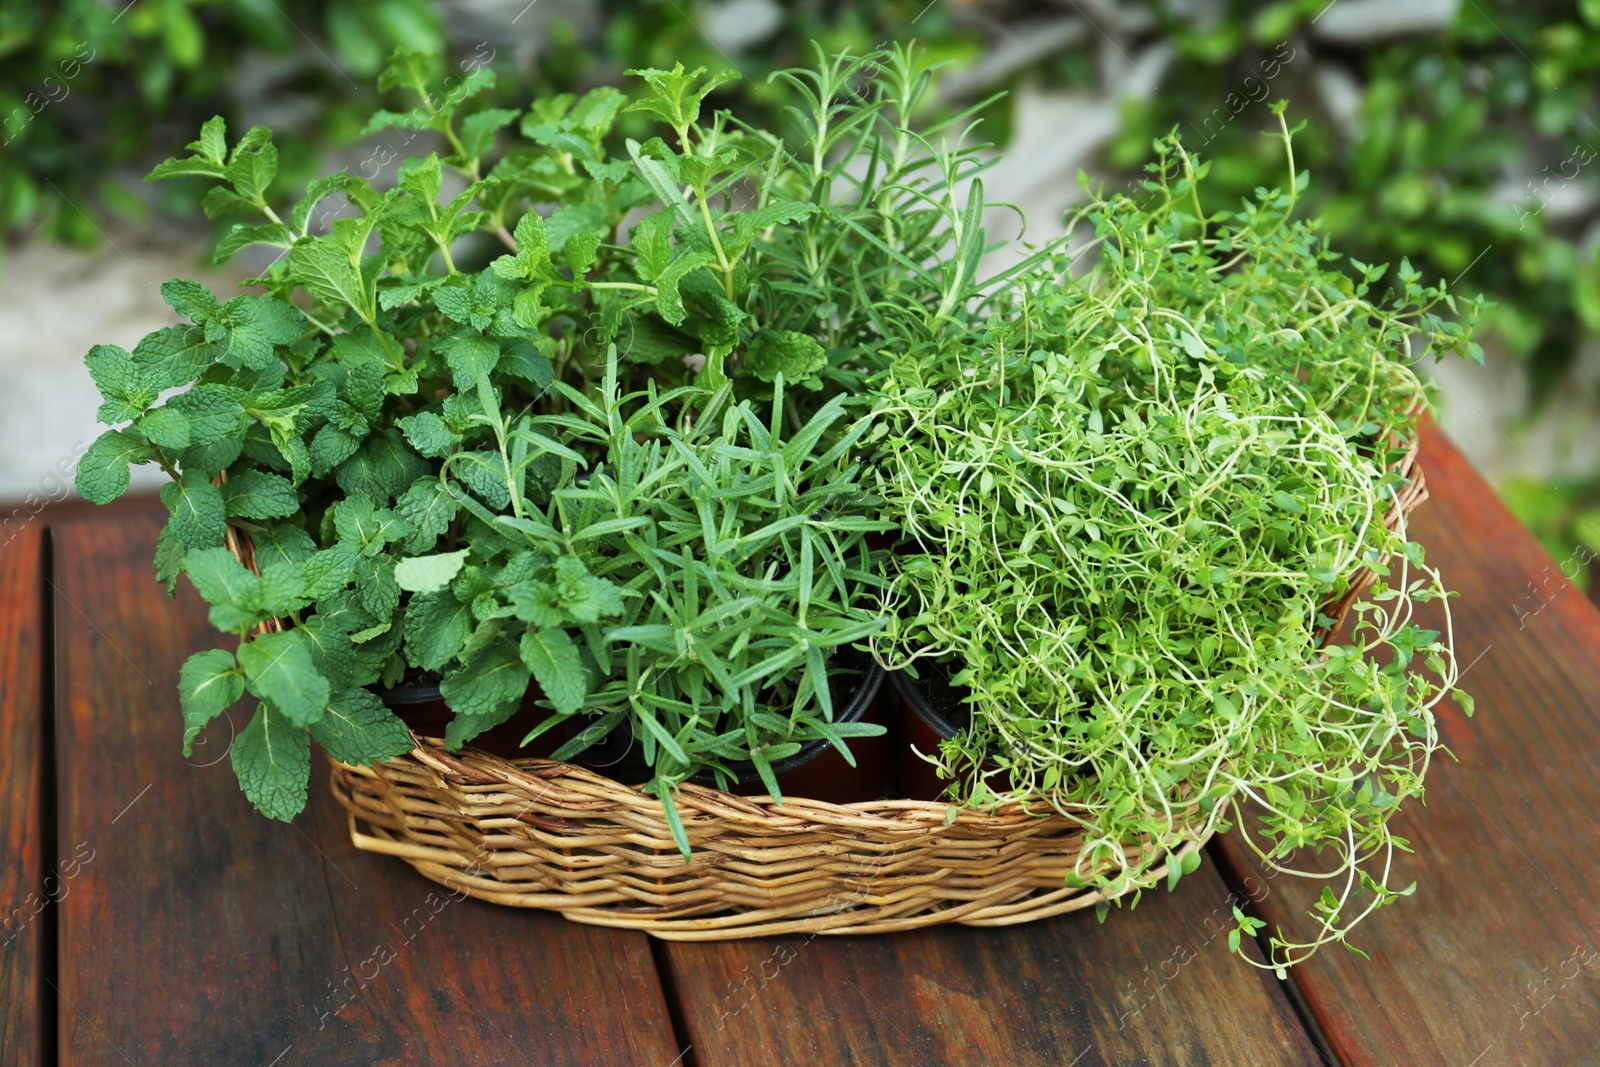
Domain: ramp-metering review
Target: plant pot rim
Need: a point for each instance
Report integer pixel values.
(912, 691)
(871, 682)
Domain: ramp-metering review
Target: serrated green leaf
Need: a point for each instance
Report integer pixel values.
(174, 356)
(102, 474)
(190, 299)
(272, 759)
(429, 435)
(429, 508)
(487, 690)
(478, 129)
(280, 669)
(469, 358)
(331, 650)
(257, 494)
(375, 585)
(330, 267)
(554, 660)
(359, 730)
(795, 355)
(121, 381)
(283, 589)
(241, 236)
(209, 683)
(429, 574)
(436, 629)
(331, 569)
(198, 516)
(669, 302)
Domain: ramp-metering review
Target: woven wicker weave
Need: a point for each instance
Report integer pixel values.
(539, 834)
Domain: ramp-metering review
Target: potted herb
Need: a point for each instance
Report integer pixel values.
(1124, 505)
(548, 412)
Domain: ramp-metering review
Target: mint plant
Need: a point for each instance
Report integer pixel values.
(1123, 505)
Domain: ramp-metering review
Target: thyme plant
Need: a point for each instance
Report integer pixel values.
(1124, 503)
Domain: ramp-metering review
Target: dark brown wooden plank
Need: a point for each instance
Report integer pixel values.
(1496, 959)
(204, 933)
(1154, 985)
(24, 892)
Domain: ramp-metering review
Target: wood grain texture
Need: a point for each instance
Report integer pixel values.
(24, 892)
(201, 932)
(1496, 959)
(1154, 985)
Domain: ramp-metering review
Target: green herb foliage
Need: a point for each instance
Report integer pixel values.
(1124, 504)
(571, 410)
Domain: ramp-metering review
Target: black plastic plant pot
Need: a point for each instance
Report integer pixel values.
(421, 706)
(942, 707)
(932, 710)
(818, 771)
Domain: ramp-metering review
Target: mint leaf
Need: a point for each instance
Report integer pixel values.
(330, 447)
(209, 683)
(358, 729)
(331, 650)
(198, 515)
(369, 528)
(428, 434)
(165, 427)
(190, 299)
(223, 582)
(217, 426)
(283, 589)
(383, 469)
(207, 160)
(428, 507)
(272, 758)
(331, 267)
(121, 382)
(795, 355)
(580, 249)
(256, 494)
(469, 358)
(375, 585)
(532, 259)
(281, 670)
(102, 474)
(242, 236)
(283, 543)
(254, 163)
(478, 129)
(331, 569)
(485, 474)
(174, 356)
(676, 97)
(554, 660)
(429, 574)
(487, 690)
(669, 303)
(436, 629)
(583, 596)
(249, 328)
(169, 560)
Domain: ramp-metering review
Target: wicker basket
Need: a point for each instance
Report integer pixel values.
(540, 834)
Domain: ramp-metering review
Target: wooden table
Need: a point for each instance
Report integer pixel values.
(153, 918)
